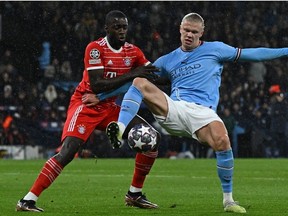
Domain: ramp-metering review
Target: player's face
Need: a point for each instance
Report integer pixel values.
(116, 32)
(191, 32)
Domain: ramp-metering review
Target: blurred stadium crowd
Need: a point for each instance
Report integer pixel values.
(41, 60)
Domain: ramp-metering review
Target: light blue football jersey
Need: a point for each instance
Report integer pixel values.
(196, 75)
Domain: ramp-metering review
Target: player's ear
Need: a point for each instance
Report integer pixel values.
(202, 33)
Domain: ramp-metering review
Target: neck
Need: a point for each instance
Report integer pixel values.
(191, 48)
(113, 45)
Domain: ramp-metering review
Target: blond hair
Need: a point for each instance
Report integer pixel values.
(193, 17)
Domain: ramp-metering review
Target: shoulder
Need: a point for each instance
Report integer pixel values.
(167, 58)
(218, 47)
(214, 44)
(130, 46)
(96, 47)
(132, 50)
(100, 43)
(175, 52)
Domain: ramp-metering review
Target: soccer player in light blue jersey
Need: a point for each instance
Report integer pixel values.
(194, 70)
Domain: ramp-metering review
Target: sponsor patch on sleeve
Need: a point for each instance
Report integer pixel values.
(94, 61)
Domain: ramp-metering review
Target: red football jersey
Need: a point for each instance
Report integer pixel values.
(99, 54)
(82, 120)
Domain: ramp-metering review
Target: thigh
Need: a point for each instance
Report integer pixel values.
(174, 122)
(185, 118)
(108, 115)
(82, 121)
(155, 100)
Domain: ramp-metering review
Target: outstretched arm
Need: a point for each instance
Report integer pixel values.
(262, 54)
(100, 84)
(160, 82)
(121, 90)
(105, 88)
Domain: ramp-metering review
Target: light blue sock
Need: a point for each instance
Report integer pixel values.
(225, 166)
(130, 105)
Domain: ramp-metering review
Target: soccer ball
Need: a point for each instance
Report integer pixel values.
(142, 138)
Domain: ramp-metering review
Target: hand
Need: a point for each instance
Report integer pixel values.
(152, 77)
(145, 72)
(141, 69)
(90, 99)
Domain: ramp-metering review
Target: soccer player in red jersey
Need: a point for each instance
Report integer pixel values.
(109, 62)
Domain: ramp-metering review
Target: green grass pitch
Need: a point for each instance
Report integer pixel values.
(180, 187)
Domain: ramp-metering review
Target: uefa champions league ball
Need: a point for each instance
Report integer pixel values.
(142, 138)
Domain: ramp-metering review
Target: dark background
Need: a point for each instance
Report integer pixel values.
(154, 27)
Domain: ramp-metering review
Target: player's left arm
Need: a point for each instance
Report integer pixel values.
(124, 88)
(161, 82)
(90, 99)
(226, 52)
(262, 54)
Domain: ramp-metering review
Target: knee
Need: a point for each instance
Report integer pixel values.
(140, 83)
(69, 148)
(222, 143)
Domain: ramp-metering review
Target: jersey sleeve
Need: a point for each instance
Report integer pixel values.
(160, 63)
(93, 56)
(227, 53)
(262, 54)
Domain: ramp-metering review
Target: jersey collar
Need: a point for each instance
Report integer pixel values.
(111, 48)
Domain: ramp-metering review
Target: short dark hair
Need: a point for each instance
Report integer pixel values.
(110, 17)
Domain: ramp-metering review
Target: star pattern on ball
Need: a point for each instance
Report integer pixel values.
(142, 138)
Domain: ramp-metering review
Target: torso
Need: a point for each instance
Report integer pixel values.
(196, 75)
(100, 55)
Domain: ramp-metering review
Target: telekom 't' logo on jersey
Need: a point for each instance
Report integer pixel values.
(111, 74)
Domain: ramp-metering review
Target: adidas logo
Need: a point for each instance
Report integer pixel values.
(110, 62)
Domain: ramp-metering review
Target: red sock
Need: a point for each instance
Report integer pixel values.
(143, 165)
(47, 176)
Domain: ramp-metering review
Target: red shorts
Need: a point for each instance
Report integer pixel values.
(82, 121)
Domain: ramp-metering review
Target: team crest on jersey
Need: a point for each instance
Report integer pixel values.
(94, 54)
(81, 128)
(127, 61)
